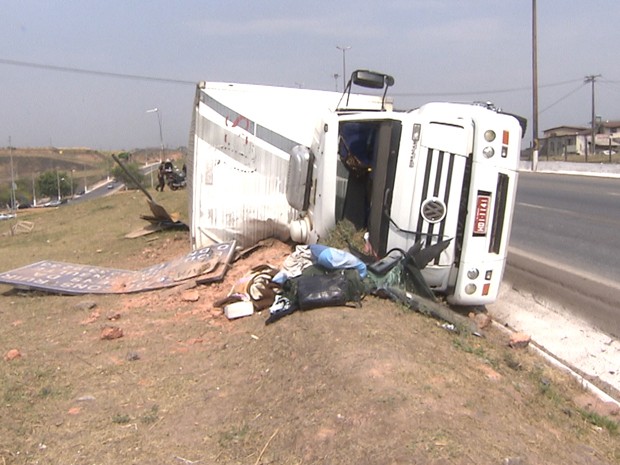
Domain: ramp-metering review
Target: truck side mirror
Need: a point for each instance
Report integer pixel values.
(370, 80)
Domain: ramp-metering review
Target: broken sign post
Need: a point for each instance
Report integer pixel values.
(160, 220)
(206, 264)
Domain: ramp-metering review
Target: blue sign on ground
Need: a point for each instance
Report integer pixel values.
(209, 263)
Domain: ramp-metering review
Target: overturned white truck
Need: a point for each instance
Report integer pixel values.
(288, 162)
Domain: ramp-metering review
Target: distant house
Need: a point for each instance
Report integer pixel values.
(571, 140)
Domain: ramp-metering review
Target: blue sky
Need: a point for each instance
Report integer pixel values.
(435, 49)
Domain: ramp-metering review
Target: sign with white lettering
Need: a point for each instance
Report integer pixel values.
(209, 263)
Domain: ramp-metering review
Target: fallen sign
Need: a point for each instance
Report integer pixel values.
(208, 264)
(160, 220)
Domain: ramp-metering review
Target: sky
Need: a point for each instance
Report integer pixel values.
(84, 73)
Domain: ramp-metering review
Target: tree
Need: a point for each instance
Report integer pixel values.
(52, 183)
(5, 196)
(120, 175)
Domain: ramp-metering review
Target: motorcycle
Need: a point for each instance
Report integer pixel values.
(175, 179)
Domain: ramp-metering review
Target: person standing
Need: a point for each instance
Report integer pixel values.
(161, 178)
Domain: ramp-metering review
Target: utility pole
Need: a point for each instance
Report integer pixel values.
(534, 89)
(344, 48)
(58, 183)
(592, 79)
(34, 192)
(161, 140)
(13, 199)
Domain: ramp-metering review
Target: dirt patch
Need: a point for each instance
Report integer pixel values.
(182, 384)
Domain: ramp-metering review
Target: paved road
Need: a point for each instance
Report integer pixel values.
(103, 187)
(573, 220)
(564, 244)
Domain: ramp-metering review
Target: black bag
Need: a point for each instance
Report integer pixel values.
(325, 290)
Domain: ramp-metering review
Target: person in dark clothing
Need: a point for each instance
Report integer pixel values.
(161, 178)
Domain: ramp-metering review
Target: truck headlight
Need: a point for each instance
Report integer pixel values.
(470, 289)
(473, 273)
(488, 152)
(489, 135)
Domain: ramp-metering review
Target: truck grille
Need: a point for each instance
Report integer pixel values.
(440, 168)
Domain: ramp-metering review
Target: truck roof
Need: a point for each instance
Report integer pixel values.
(291, 112)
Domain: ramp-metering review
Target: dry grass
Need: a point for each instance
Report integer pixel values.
(370, 385)
(89, 232)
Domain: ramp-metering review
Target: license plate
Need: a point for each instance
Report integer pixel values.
(482, 215)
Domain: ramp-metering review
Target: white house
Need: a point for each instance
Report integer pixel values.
(571, 140)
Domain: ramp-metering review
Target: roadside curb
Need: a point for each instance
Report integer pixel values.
(553, 360)
(574, 173)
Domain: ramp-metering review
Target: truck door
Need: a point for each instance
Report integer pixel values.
(367, 155)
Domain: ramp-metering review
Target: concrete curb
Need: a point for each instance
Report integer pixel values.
(598, 392)
(606, 170)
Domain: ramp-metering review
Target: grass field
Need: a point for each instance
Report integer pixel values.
(372, 385)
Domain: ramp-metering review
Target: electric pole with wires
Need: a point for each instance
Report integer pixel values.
(592, 79)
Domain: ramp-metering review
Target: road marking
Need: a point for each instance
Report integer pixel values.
(540, 207)
(575, 214)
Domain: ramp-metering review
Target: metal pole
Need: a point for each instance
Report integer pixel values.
(161, 138)
(592, 79)
(58, 183)
(34, 193)
(534, 89)
(13, 200)
(344, 48)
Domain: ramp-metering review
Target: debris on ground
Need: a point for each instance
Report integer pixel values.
(109, 333)
(204, 265)
(331, 277)
(12, 354)
(519, 340)
(22, 227)
(160, 219)
(482, 319)
(255, 291)
(312, 276)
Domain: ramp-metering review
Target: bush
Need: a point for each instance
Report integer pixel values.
(120, 175)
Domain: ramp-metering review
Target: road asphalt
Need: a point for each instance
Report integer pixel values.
(590, 353)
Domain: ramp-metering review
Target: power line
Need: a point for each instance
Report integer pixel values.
(478, 92)
(564, 97)
(69, 69)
